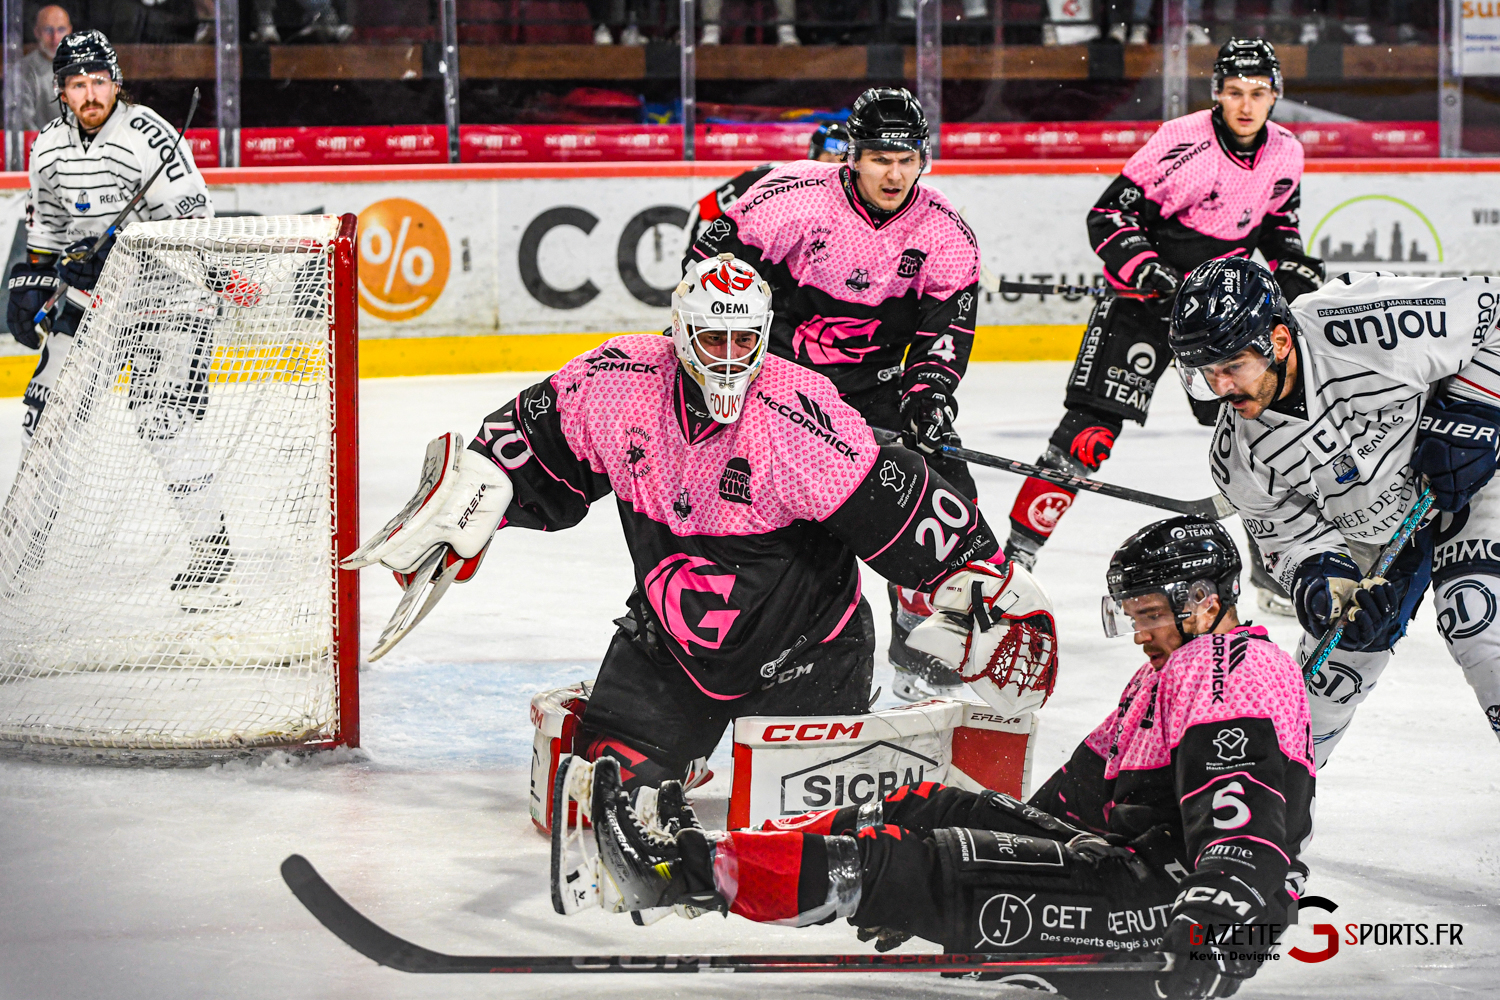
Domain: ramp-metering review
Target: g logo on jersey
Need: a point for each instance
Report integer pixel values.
(677, 577)
(1469, 609)
(822, 339)
(1005, 920)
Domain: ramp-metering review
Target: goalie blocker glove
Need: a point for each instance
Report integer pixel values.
(460, 502)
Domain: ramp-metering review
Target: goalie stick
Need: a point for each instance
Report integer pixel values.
(1412, 523)
(42, 320)
(384, 948)
(1214, 508)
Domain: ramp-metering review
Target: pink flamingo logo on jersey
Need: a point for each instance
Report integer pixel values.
(680, 573)
(823, 336)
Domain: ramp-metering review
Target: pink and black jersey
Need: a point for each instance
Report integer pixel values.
(855, 294)
(743, 535)
(1190, 195)
(1217, 745)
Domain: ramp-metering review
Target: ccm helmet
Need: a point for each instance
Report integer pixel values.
(1185, 559)
(1224, 307)
(85, 52)
(1246, 58)
(888, 118)
(719, 300)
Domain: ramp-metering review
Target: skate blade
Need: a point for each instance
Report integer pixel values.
(429, 583)
(910, 687)
(207, 598)
(1274, 604)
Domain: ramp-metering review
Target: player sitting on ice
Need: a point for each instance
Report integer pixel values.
(876, 280)
(1224, 182)
(85, 166)
(1340, 405)
(1184, 810)
(746, 487)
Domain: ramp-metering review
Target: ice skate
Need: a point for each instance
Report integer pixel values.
(203, 585)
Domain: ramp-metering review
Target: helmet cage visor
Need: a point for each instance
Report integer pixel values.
(1125, 612)
(1234, 375)
(706, 347)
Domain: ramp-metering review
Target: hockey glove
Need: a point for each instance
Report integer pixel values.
(31, 285)
(1201, 966)
(1324, 586)
(1154, 276)
(927, 414)
(83, 273)
(1298, 275)
(1456, 450)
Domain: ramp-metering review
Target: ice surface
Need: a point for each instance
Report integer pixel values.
(151, 884)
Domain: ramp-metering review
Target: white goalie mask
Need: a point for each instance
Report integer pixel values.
(1004, 644)
(721, 318)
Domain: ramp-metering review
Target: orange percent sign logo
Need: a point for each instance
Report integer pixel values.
(403, 259)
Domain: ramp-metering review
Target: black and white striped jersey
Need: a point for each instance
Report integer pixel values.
(76, 190)
(1372, 348)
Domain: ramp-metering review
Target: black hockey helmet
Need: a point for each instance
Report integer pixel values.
(831, 137)
(1186, 559)
(85, 52)
(888, 118)
(1222, 308)
(1247, 57)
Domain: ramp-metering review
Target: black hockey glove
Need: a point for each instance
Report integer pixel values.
(927, 414)
(1203, 966)
(1326, 583)
(1154, 276)
(31, 285)
(1298, 275)
(1457, 443)
(84, 273)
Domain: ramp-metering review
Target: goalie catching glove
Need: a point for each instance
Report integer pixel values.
(993, 624)
(440, 536)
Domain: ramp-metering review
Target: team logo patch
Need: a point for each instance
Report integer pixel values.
(1231, 744)
(858, 280)
(891, 475)
(1005, 920)
(910, 263)
(965, 302)
(1046, 510)
(1141, 358)
(538, 405)
(1344, 470)
(683, 506)
(734, 481)
(82, 203)
(636, 454)
(1470, 608)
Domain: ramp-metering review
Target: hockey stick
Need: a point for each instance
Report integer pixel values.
(380, 946)
(990, 283)
(1213, 508)
(42, 320)
(1413, 522)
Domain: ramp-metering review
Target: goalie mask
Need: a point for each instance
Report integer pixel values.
(721, 318)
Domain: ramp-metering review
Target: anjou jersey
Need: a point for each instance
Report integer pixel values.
(78, 186)
(854, 295)
(1370, 349)
(743, 535)
(1216, 745)
(1188, 196)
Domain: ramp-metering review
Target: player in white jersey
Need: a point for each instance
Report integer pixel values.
(85, 166)
(1340, 406)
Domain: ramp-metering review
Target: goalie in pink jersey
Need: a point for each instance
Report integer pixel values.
(876, 280)
(1175, 826)
(1226, 182)
(747, 489)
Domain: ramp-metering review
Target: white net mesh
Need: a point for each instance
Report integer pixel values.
(165, 551)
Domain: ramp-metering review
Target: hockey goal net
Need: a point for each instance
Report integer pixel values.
(168, 548)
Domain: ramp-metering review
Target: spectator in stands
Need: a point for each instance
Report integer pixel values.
(1136, 28)
(321, 23)
(1357, 18)
(973, 9)
(38, 93)
(786, 19)
(605, 13)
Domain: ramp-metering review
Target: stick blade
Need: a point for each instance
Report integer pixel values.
(352, 927)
